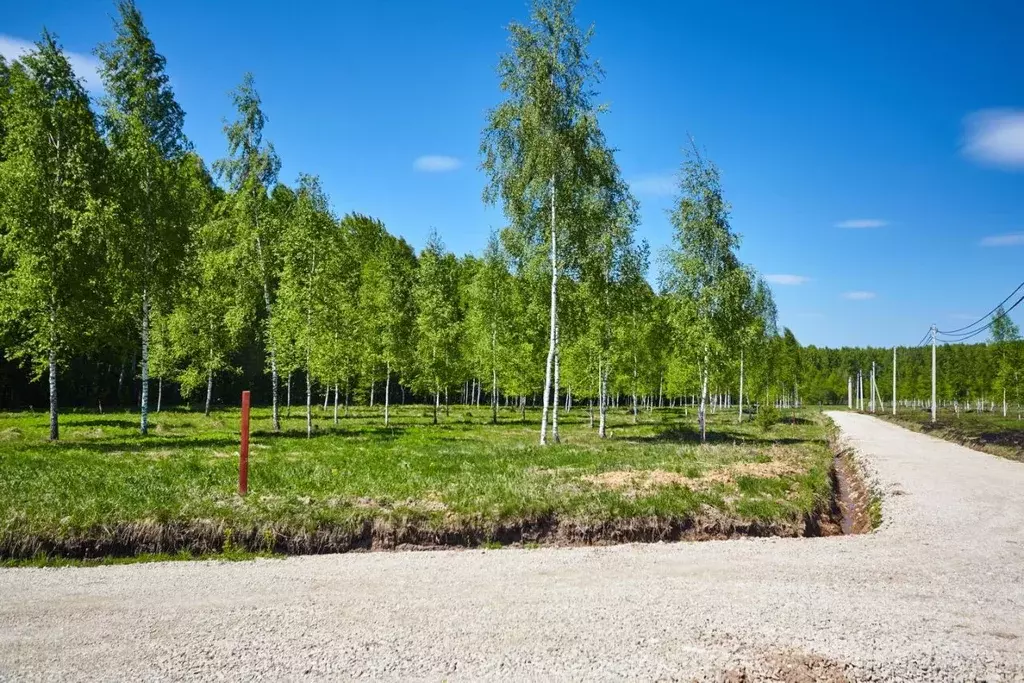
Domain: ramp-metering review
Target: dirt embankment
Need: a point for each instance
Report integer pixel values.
(846, 511)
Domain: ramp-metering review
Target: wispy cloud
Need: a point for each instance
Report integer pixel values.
(436, 163)
(655, 184)
(1012, 240)
(85, 65)
(995, 137)
(858, 296)
(786, 279)
(862, 223)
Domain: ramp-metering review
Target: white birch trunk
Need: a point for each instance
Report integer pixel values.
(144, 397)
(554, 399)
(209, 390)
(387, 397)
(159, 393)
(554, 310)
(54, 427)
(741, 387)
(288, 411)
(309, 399)
(335, 403)
(702, 411)
(494, 395)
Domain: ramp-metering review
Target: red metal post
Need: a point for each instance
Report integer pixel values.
(243, 453)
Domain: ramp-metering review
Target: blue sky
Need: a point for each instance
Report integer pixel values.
(903, 122)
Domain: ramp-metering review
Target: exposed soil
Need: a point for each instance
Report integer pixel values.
(790, 667)
(845, 512)
(209, 536)
(851, 495)
(644, 480)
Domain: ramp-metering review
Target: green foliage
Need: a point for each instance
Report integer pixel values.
(313, 253)
(714, 300)
(767, 417)
(438, 321)
(151, 173)
(52, 202)
(258, 217)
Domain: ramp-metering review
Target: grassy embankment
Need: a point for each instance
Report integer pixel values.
(988, 432)
(103, 491)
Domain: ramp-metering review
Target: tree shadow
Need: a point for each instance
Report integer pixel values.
(338, 431)
(141, 445)
(113, 422)
(685, 434)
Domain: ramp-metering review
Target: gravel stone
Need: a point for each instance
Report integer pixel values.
(935, 594)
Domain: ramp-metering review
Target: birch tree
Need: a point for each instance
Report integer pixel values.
(251, 169)
(309, 248)
(758, 328)
(702, 273)
(614, 268)
(437, 319)
(388, 312)
(50, 237)
(490, 320)
(213, 312)
(143, 125)
(535, 151)
(1005, 334)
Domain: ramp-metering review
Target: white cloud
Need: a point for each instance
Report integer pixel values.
(995, 137)
(860, 223)
(1012, 240)
(436, 163)
(85, 66)
(859, 296)
(786, 279)
(655, 184)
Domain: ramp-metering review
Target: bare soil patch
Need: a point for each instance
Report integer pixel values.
(790, 667)
(645, 480)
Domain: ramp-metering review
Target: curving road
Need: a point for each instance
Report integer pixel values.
(936, 594)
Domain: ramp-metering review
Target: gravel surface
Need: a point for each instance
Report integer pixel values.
(936, 594)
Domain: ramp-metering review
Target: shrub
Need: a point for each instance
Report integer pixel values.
(767, 417)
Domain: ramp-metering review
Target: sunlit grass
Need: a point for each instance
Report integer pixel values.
(104, 481)
(989, 432)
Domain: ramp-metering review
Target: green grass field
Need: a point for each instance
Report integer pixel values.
(105, 491)
(989, 432)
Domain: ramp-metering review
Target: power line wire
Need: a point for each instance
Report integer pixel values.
(981, 319)
(968, 335)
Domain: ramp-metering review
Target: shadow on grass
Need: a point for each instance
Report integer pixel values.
(691, 435)
(377, 432)
(140, 445)
(70, 421)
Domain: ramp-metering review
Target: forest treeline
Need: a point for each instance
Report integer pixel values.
(134, 273)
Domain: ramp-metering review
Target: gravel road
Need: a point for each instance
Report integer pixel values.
(936, 594)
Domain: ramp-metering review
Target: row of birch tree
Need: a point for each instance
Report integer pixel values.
(115, 234)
